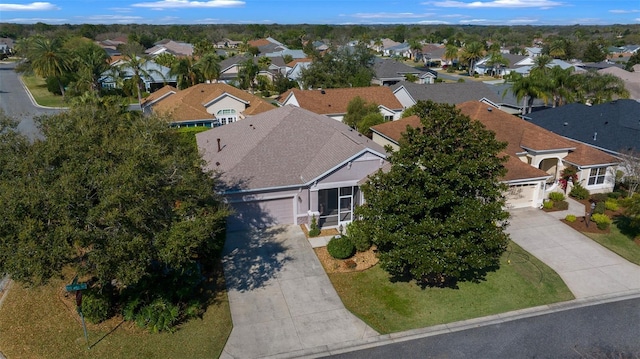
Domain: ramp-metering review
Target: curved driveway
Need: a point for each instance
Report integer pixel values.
(17, 102)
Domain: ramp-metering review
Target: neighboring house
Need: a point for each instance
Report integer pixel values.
(158, 76)
(287, 165)
(295, 54)
(433, 55)
(320, 46)
(6, 46)
(631, 80)
(389, 72)
(611, 127)
(384, 44)
(535, 156)
(208, 105)
(295, 67)
(267, 45)
(533, 51)
(483, 66)
(229, 68)
(524, 67)
(227, 44)
(334, 102)
(453, 93)
(401, 50)
(172, 47)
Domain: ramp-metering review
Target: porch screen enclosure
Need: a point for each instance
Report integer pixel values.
(336, 205)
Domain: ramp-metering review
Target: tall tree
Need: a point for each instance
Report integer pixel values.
(49, 59)
(90, 61)
(139, 67)
(594, 53)
(471, 53)
(362, 115)
(247, 74)
(435, 215)
(496, 61)
(186, 71)
(451, 53)
(117, 198)
(209, 66)
(342, 67)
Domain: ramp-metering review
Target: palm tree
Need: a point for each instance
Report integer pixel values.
(541, 64)
(378, 44)
(209, 66)
(527, 89)
(557, 49)
(91, 61)
(186, 71)
(471, 53)
(49, 59)
(247, 74)
(264, 62)
(497, 60)
(561, 83)
(139, 66)
(597, 88)
(416, 48)
(451, 53)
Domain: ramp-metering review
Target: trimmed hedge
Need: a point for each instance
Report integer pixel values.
(611, 204)
(579, 192)
(602, 220)
(570, 218)
(556, 196)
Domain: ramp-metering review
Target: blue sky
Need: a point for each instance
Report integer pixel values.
(479, 12)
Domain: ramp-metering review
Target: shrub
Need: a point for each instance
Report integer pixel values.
(599, 208)
(556, 196)
(561, 205)
(314, 230)
(359, 236)
(547, 204)
(614, 195)
(600, 197)
(95, 306)
(602, 220)
(579, 192)
(340, 247)
(611, 204)
(159, 316)
(570, 218)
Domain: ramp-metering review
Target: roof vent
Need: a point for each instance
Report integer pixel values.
(489, 109)
(606, 122)
(323, 92)
(566, 124)
(219, 147)
(595, 134)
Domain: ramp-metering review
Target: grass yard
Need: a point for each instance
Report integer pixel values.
(43, 97)
(521, 282)
(41, 323)
(618, 242)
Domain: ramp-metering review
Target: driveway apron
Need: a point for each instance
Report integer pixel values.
(281, 299)
(586, 267)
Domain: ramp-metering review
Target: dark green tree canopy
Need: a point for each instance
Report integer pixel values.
(436, 215)
(343, 67)
(361, 115)
(115, 196)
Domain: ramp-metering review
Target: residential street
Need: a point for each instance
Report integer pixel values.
(16, 102)
(601, 331)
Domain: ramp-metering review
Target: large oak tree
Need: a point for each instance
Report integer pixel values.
(117, 197)
(437, 214)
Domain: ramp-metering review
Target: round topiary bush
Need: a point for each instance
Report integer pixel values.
(570, 218)
(602, 220)
(340, 247)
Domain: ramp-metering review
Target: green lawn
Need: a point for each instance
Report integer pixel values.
(619, 242)
(521, 282)
(43, 97)
(40, 323)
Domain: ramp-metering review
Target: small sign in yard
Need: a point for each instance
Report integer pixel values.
(75, 286)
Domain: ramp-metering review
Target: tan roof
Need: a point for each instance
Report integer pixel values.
(259, 42)
(288, 146)
(166, 90)
(188, 104)
(518, 133)
(294, 62)
(335, 101)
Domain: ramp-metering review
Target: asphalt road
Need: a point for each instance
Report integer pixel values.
(610, 330)
(16, 103)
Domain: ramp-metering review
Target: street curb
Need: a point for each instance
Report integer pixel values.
(4, 291)
(33, 100)
(385, 339)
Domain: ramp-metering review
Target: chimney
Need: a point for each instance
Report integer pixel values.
(219, 148)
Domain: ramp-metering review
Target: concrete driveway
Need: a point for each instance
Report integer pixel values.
(282, 302)
(588, 269)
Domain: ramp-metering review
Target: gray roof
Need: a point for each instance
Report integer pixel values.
(287, 146)
(613, 126)
(389, 68)
(451, 93)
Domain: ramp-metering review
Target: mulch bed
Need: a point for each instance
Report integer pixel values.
(581, 225)
(362, 260)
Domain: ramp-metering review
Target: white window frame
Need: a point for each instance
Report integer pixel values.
(598, 177)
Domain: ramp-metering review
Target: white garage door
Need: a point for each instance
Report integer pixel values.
(520, 196)
(261, 214)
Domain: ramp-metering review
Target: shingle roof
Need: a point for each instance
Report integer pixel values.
(335, 101)
(288, 146)
(631, 80)
(188, 104)
(615, 125)
(518, 133)
(451, 93)
(388, 68)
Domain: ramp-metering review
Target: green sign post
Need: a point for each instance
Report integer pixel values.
(77, 288)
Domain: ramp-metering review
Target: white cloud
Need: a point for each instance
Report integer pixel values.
(544, 4)
(453, 15)
(112, 19)
(181, 4)
(623, 11)
(390, 15)
(521, 21)
(34, 6)
(637, 19)
(34, 20)
(433, 22)
(479, 21)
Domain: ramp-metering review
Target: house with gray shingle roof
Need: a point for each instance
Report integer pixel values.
(389, 72)
(287, 165)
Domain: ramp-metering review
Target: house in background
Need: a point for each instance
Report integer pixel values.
(287, 165)
(175, 48)
(389, 72)
(611, 127)
(631, 79)
(535, 156)
(208, 105)
(157, 76)
(334, 102)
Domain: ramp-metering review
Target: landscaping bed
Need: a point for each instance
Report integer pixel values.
(359, 262)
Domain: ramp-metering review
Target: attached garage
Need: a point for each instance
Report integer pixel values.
(261, 213)
(522, 195)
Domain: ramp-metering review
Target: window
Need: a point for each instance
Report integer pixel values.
(226, 116)
(596, 176)
(388, 118)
